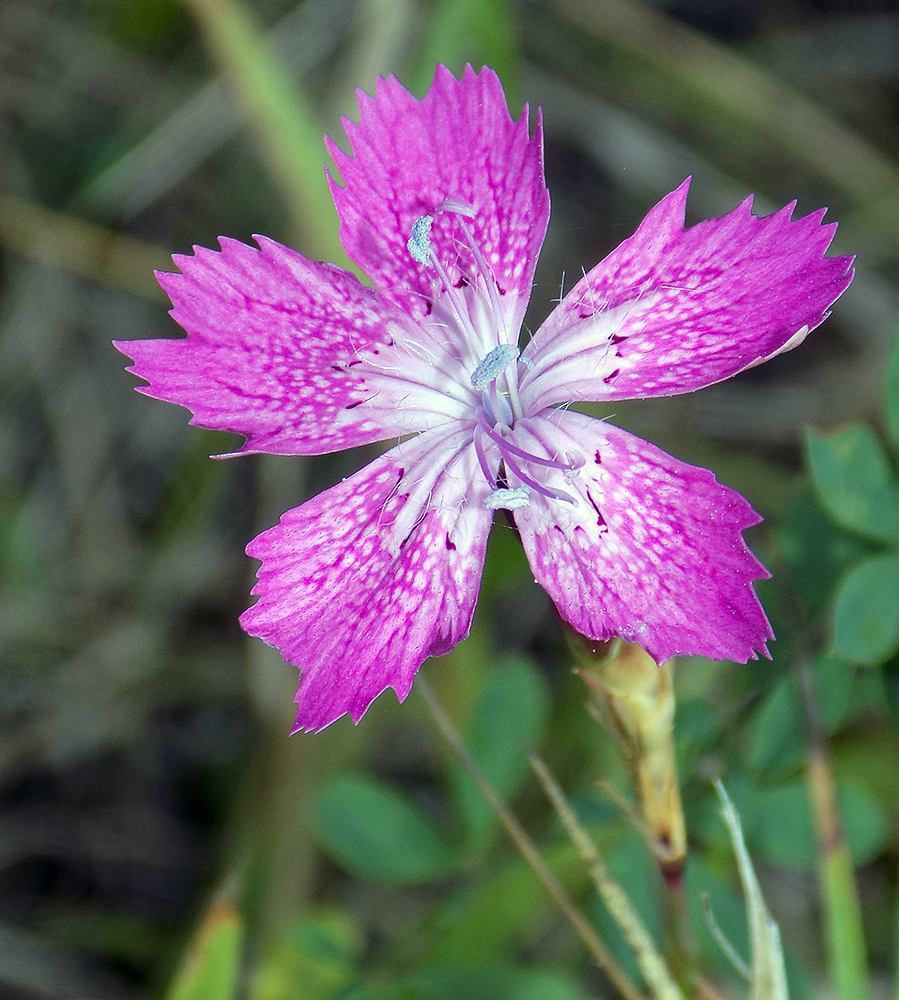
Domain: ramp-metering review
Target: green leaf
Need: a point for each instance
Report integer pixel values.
(866, 615)
(838, 690)
(497, 981)
(510, 714)
(853, 477)
(315, 960)
(209, 971)
(492, 917)
(778, 734)
(377, 833)
(784, 831)
(892, 395)
(817, 551)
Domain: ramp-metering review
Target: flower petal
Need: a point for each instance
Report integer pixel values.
(673, 310)
(652, 552)
(408, 156)
(275, 351)
(361, 584)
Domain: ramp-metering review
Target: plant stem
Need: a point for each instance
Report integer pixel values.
(842, 910)
(651, 963)
(619, 978)
(634, 699)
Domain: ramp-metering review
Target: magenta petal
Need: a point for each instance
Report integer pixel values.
(458, 142)
(273, 341)
(673, 310)
(361, 584)
(651, 553)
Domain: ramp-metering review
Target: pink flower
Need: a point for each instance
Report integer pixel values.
(444, 206)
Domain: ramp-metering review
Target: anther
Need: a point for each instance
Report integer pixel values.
(508, 499)
(493, 366)
(419, 244)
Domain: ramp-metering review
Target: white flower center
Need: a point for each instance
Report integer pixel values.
(495, 376)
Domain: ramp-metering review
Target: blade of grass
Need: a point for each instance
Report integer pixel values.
(475, 31)
(727, 87)
(82, 247)
(289, 133)
(768, 978)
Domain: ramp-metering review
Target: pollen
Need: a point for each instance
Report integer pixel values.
(420, 241)
(508, 499)
(493, 365)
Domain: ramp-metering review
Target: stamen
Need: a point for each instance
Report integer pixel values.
(482, 459)
(489, 279)
(457, 207)
(493, 365)
(508, 499)
(547, 491)
(575, 461)
(419, 244)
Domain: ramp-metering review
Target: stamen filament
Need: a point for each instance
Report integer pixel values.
(453, 295)
(482, 459)
(489, 280)
(506, 445)
(547, 491)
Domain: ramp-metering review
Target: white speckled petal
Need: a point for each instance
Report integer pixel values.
(652, 552)
(283, 351)
(408, 156)
(361, 584)
(673, 310)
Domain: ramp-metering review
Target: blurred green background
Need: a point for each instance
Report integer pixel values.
(144, 763)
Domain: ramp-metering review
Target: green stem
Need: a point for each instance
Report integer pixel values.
(896, 957)
(846, 952)
(622, 982)
(289, 134)
(651, 963)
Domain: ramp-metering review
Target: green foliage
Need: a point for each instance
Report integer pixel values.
(852, 473)
(817, 551)
(316, 959)
(509, 716)
(783, 829)
(891, 399)
(866, 619)
(379, 833)
(777, 732)
(498, 982)
(210, 970)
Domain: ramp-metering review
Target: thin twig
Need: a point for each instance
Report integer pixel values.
(651, 963)
(528, 849)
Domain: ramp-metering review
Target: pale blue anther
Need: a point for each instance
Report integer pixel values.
(419, 244)
(508, 499)
(493, 365)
